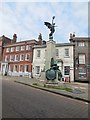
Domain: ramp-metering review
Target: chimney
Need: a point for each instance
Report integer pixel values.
(40, 39)
(14, 38)
(71, 37)
(73, 34)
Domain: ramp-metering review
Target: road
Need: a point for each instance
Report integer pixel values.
(20, 101)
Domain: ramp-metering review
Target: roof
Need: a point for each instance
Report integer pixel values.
(4, 37)
(80, 39)
(64, 44)
(22, 43)
(39, 46)
(57, 45)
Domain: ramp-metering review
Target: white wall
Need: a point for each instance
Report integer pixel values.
(38, 61)
(67, 61)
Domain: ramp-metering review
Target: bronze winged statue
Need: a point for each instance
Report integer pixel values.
(51, 27)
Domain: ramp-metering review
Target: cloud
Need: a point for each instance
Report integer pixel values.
(26, 19)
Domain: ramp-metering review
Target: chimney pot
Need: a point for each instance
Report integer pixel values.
(15, 35)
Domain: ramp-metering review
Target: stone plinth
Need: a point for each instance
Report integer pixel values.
(50, 53)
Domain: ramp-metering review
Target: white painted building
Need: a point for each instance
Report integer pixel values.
(64, 58)
(38, 60)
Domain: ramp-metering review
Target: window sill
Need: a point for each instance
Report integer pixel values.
(66, 56)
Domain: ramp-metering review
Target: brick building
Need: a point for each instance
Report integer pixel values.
(17, 57)
(81, 57)
(3, 41)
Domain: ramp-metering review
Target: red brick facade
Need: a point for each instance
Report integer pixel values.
(17, 57)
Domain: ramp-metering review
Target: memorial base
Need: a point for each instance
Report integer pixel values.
(51, 83)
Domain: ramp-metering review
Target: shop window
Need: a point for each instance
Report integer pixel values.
(82, 72)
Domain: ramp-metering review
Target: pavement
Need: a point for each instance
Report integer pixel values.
(79, 90)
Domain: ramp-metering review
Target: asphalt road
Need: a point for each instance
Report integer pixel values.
(20, 101)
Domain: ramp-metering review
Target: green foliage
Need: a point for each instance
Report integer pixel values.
(67, 89)
(35, 84)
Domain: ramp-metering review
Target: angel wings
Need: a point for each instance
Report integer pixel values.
(50, 26)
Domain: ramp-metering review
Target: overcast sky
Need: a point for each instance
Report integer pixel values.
(26, 19)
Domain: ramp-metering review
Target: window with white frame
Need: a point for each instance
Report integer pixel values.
(27, 58)
(66, 52)
(26, 68)
(82, 72)
(17, 48)
(22, 57)
(38, 53)
(57, 52)
(28, 47)
(12, 49)
(6, 59)
(21, 68)
(81, 58)
(22, 48)
(16, 68)
(11, 58)
(7, 49)
(16, 57)
(81, 43)
(37, 69)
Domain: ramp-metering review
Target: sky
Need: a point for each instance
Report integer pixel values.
(26, 19)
